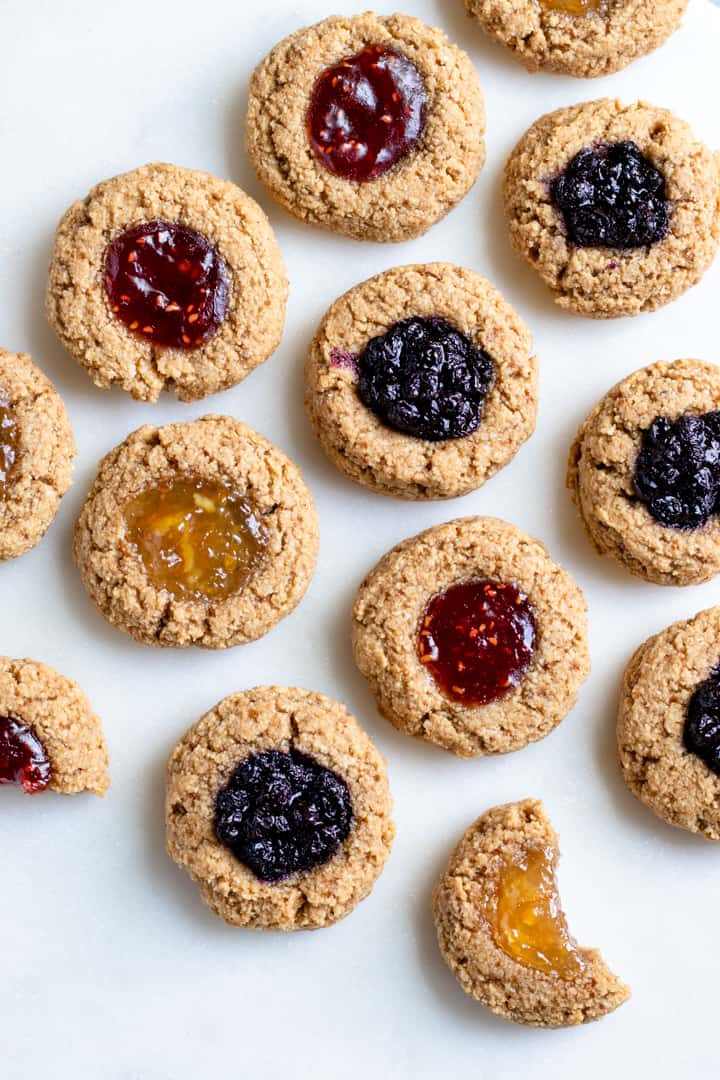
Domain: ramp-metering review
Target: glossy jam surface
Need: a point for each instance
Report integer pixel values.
(366, 113)
(167, 283)
(23, 759)
(701, 735)
(9, 443)
(574, 7)
(196, 539)
(522, 906)
(677, 470)
(477, 639)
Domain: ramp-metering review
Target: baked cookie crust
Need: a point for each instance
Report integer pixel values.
(601, 470)
(657, 686)
(42, 471)
(587, 45)
(423, 187)
(214, 448)
(368, 451)
(277, 718)
(387, 615)
(604, 282)
(79, 311)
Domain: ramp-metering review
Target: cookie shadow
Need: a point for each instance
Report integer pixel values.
(464, 30)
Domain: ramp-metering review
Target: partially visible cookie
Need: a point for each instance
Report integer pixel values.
(585, 38)
(616, 206)
(49, 736)
(278, 806)
(167, 278)
(471, 637)
(502, 931)
(368, 125)
(37, 448)
(421, 383)
(668, 729)
(644, 473)
(200, 533)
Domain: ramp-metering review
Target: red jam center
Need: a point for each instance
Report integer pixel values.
(22, 757)
(167, 283)
(477, 640)
(366, 113)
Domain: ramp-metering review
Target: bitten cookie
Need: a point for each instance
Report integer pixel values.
(37, 448)
(165, 278)
(502, 931)
(644, 473)
(584, 38)
(471, 637)
(201, 533)
(49, 736)
(421, 382)
(668, 729)
(370, 126)
(278, 806)
(616, 206)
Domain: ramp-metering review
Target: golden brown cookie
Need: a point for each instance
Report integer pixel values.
(37, 448)
(49, 736)
(166, 278)
(638, 467)
(502, 931)
(201, 533)
(616, 206)
(416, 147)
(668, 729)
(278, 806)
(471, 637)
(407, 357)
(584, 38)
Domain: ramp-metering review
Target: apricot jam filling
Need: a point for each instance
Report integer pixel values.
(196, 539)
(9, 443)
(573, 7)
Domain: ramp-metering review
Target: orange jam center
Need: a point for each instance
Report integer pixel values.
(195, 538)
(522, 906)
(9, 443)
(573, 7)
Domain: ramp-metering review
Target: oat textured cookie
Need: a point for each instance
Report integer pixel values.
(166, 278)
(668, 730)
(471, 637)
(200, 533)
(368, 125)
(278, 806)
(616, 206)
(584, 38)
(644, 473)
(525, 968)
(50, 739)
(37, 448)
(421, 382)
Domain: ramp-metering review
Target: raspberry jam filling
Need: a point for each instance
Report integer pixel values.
(283, 813)
(701, 735)
(477, 639)
(167, 283)
(23, 759)
(196, 539)
(366, 113)
(677, 471)
(9, 443)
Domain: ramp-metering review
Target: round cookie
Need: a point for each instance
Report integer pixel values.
(603, 472)
(397, 462)
(199, 533)
(439, 166)
(633, 244)
(529, 970)
(542, 625)
(585, 38)
(208, 305)
(37, 448)
(260, 727)
(658, 735)
(49, 736)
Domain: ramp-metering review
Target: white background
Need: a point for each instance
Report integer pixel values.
(110, 965)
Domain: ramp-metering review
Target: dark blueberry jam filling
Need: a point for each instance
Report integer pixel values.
(611, 195)
(677, 472)
(23, 759)
(425, 378)
(283, 813)
(702, 724)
